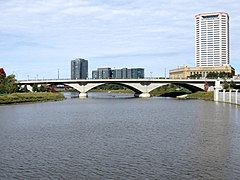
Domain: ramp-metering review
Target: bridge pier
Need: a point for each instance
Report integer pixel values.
(142, 95)
(145, 95)
(83, 95)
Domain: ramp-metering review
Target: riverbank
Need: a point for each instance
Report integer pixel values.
(30, 97)
(164, 93)
(201, 96)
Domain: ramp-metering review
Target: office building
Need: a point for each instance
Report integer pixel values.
(185, 72)
(95, 74)
(124, 73)
(212, 39)
(79, 68)
(137, 73)
(117, 74)
(104, 73)
(211, 47)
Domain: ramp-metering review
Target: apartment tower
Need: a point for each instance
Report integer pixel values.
(212, 39)
(79, 68)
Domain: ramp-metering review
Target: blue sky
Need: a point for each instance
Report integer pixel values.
(38, 37)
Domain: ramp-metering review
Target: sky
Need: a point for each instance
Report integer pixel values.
(39, 38)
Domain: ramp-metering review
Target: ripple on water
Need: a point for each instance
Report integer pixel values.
(119, 138)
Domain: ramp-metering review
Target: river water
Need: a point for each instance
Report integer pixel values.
(114, 136)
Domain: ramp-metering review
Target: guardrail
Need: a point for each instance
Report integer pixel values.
(227, 96)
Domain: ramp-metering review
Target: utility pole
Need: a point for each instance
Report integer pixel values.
(165, 73)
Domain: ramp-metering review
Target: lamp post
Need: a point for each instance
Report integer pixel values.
(58, 73)
(165, 73)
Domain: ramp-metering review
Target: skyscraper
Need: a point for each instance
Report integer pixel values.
(212, 39)
(79, 68)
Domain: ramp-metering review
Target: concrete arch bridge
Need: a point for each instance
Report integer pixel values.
(141, 87)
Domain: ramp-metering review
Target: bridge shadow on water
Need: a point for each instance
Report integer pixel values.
(110, 95)
(173, 94)
(100, 95)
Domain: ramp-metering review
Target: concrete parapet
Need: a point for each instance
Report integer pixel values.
(231, 96)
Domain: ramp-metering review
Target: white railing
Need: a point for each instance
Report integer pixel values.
(230, 96)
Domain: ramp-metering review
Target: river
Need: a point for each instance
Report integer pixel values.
(116, 136)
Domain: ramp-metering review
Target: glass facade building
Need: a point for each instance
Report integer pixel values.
(79, 68)
(124, 73)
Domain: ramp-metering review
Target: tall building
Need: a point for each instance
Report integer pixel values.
(79, 68)
(212, 39)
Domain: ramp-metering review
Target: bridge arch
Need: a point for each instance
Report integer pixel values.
(191, 87)
(134, 89)
(140, 89)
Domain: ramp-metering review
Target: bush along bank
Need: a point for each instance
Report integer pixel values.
(30, 97)
(201, 95)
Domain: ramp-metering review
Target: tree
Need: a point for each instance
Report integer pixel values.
(8, 85)
(2, 73)
(225, 84)
(42, 88)
(205, 86)
(35, 88)
(233, 85)
(195, 76)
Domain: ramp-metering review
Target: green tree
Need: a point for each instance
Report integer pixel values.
(42, 88)
(8, 85)
(232, 85)
(35, 88)
(225, 84)
(195, 76)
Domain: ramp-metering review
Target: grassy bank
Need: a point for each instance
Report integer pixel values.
(30, 97)
(201, 95)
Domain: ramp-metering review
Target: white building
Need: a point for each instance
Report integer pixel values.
(212, 39)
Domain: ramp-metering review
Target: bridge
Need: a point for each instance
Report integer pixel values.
(141, 87)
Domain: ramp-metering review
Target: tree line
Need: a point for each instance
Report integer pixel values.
(8, 85)
(212, 75)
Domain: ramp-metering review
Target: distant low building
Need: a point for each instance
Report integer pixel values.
(185, 72)
(104, 73)
(124, 73)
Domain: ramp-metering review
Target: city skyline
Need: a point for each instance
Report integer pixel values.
(40, 37)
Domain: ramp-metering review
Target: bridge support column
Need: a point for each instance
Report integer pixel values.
(143, 95)
(29, 88)
(83, 95)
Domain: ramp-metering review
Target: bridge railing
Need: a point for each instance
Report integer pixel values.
(43, 79)
(228, 96)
